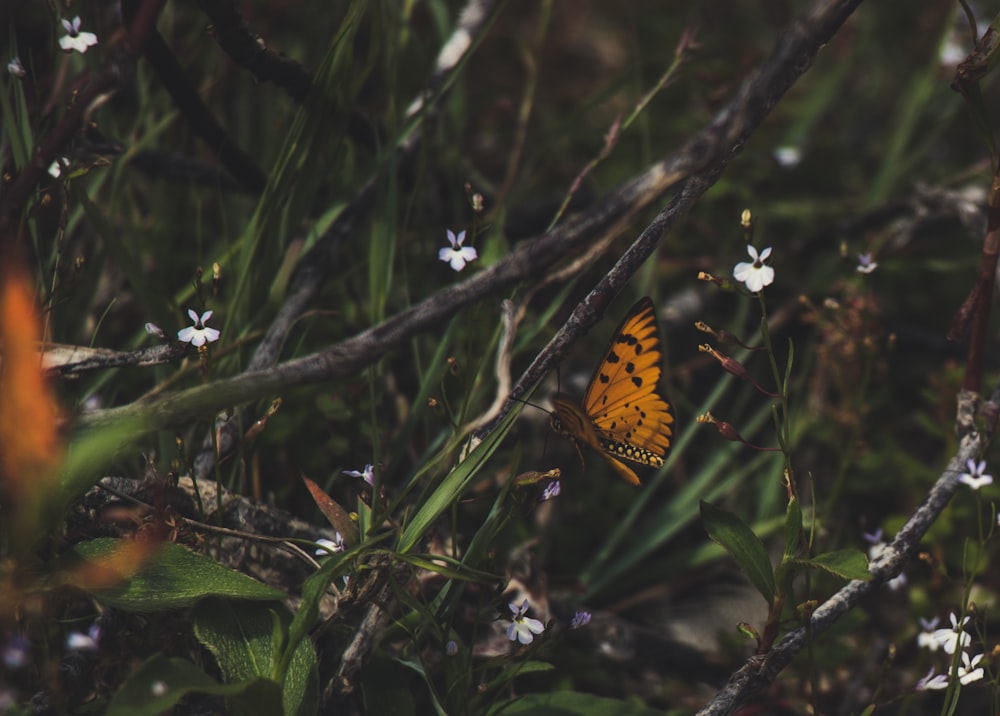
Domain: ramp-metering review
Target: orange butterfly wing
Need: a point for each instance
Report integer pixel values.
(622, 416)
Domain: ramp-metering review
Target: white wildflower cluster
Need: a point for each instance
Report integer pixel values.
(949, 640)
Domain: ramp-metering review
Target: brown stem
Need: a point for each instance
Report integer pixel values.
(982, 293)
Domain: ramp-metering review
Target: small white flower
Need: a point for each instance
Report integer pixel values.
(457, 255)
(328, 547)
(932, 681)
(56, 168)
(154, 330)
(74, 39)
(551, 490)
(875, 544)
(78, 641)
(952, 52)
(954, 638)
(199, 334)
(755, 275)
(925, 638)
(522, 628)
(865, 263)
(158, 688)
(788, 156)
(967, 671)
(15, 68)
(368, 474)
(975, 478)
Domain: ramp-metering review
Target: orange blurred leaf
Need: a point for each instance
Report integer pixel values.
(29, 440)
(333, 512)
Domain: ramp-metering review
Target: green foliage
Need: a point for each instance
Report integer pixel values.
(746, 548)
(173, 577)
(844, 416)
(246, 640)
(161, 682)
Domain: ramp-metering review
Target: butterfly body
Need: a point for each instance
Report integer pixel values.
(622, 416)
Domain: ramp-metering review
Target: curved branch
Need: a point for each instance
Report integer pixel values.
(698, 164)
(756, 674)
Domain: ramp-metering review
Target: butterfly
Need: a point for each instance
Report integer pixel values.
(622, 416)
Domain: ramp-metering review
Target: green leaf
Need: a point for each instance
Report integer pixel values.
(793, 527)
(159, 684)
(312, 592)
(174, 577)
(512, 671)
(241, 637)
(454, 484)
(735, 537)
(567, 703)
(385, 688)
(89, 453)
(844, 563)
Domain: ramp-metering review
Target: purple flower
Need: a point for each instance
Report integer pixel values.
(368, 474)
(551, 490)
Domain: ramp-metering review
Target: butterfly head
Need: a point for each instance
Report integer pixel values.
(569, 419)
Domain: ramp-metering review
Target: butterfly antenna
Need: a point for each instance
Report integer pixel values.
(533, 405)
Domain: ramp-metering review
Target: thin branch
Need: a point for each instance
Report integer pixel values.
(698, 163)
(756, 675)
(705, 156)
(73, 361)
(316, 265)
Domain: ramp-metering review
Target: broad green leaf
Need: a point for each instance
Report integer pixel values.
(172, 577)
(735, 537)
(844, 563)
(160, 683)
(240, 635)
